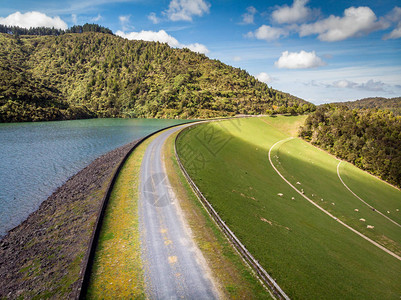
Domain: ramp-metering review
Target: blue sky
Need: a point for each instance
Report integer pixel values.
(321, 51)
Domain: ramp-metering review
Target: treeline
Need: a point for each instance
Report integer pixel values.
(94, 74)
(292, 110)
(370, 139)
(391, 104)
(88, 28)
(16, 30)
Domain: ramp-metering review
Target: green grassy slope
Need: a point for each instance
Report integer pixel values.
(317, 172)
(383, 197)
(309, 254)
(102, 75)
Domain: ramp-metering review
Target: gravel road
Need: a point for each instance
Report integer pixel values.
(174, 267)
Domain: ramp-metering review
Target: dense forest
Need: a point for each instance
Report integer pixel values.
(392, 104)
(95, 74)
(370, 139)
(16, 30)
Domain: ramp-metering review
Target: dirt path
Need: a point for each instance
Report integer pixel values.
(174, 267)
(325, 211)
(363, 201)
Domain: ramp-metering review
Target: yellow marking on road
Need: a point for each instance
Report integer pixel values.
(172, 259)
(167, 242)
(163, 230)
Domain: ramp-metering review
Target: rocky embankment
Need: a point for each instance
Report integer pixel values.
(44, 256)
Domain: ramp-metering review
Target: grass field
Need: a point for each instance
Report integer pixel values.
(382, 196)
(117, 270)
(310, 255)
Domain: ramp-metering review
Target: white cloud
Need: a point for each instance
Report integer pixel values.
(162, 37)
(237, 58)
(124, 19)
(33, 19)
(125, 22)
(184, 10)
(97, 18)
(395, 34)
(370, 85)
(74, 18)
(268, 33)
(196, 48)
(264, 77)
(301, 60)
(152, 16)
(395, 17)
(248, 17)
(150, 36)
(295, 13)
(342, 84)
(355, 22)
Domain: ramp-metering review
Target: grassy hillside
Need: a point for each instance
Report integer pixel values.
(310, 255)
(92, 74)
(391, 104)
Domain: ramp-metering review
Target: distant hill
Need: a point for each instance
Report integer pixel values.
(393, 104)
(97, 74)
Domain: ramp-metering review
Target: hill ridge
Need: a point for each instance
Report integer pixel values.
(391, 104)
(91, 74)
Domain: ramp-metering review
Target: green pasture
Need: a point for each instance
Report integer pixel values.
(316, 172)
(310, 255)
(380, 195)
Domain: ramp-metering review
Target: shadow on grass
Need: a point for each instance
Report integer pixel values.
(309, 254)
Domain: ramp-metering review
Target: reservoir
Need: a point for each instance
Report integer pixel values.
(36, 158)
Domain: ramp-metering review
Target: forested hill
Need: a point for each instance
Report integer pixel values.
(392, 104)
(370, 139)
(95, 74)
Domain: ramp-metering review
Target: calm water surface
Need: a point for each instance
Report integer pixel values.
(36, 158)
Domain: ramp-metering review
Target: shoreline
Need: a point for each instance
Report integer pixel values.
(44, 255)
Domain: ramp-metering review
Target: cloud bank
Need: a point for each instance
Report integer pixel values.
(162, 37)
(33, 19)
(299, 60)
(370, 85)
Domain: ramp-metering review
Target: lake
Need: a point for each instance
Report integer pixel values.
(36, 158)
